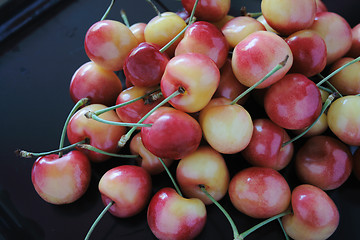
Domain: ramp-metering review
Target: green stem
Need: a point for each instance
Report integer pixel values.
(254, 15)
(124, 17)
(191, 21)
(98, 219)
(337, 70)
(154, 7)
(94, 149)
(126, 137)
(282, 228)
(26, 154)
(257, 226)
(107, 10)
(326, 89)
(80, 103)
(327, 103)
(274, 70)
(329, 84)
(97, 118)
(233, 226)
(171, 177)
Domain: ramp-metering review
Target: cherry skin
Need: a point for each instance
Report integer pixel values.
(197, 74)
(320, 126)
(208, 10)
(257, 54)
(204, 37)
(100, 135)
(344, 120)
(129, 187)
(108, 42)
(146, 159)
(96, 83)
(324, 161)
(259, 192)
(347, 81)
(294, 102)
(309, 52)
(320, 6)
(354, 51)
(315, 215)
(61, 180)
(138, 30)
(289, 16)
(265, 147)
(205, 167)
(171, 216)
(173, 134)
(145, 65)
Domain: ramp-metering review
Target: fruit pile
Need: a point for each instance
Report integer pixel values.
(203, 90)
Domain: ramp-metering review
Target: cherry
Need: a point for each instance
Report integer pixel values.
(138, 30)
(355, 45)
(208, 10)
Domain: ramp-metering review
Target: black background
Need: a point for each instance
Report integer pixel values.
(36, 65)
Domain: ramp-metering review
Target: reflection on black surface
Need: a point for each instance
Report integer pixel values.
(13, 226)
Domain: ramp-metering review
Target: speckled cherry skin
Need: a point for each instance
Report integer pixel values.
(259, 192)
(294, 102)
(171, 216)
(315, 215)
(323, 161)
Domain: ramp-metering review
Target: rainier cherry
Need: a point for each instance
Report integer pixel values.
(208, 10)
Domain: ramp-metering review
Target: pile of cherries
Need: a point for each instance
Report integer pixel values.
(190, 76)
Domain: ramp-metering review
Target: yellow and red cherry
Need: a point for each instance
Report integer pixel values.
(100, 135)
(146, 159)
(197, 75)
(259, 192)
(265, 147)
(309, 52)
(97, 84)
(321, 6)
(61, 180)
(288, 16)
(128, 188)
(108, 42)
(171, 216)
(320, 126)
(205, 167)
(208, 10)
(203, 37)
(315, 215)
(173, 134)
(354, 51)
(323, 161)
(138, 30)
(294, 102)
(256, 55)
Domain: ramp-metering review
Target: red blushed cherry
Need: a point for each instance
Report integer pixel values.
(265, 147)
(129, 187)
(145, 65)
(61, 180)
(197, 74)
(309, 52)
(133, 112)
(96, 83)
(354, 51)
(203, 37)
(324, 161)
(100, 135)
(315, 215)
(259, 192)
(138, 30)
(147, 160)
(320, 6)
(294, 102)
(173, 134)
(208, 10)
(108, 42)
(171, 216)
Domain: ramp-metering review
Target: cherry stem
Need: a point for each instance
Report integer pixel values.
(93, 116)
(155, 8)
(98, 219)
(124, 17)
(283, 229)
(149, 94)
(327, 103)
(80, 103)
(243, 12)
(26, 154)
(337, 70)
(191, 21)
(231, 221)
(257, 226)
(126, 137)
(274, 70)
(171, 177)
(326, 89)
(330, 85)
(94, 149)
(108, 10)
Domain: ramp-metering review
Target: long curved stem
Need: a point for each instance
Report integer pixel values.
(98, 220)
(171, 177)
(107, 10)
(97, 118)
(94, 149)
